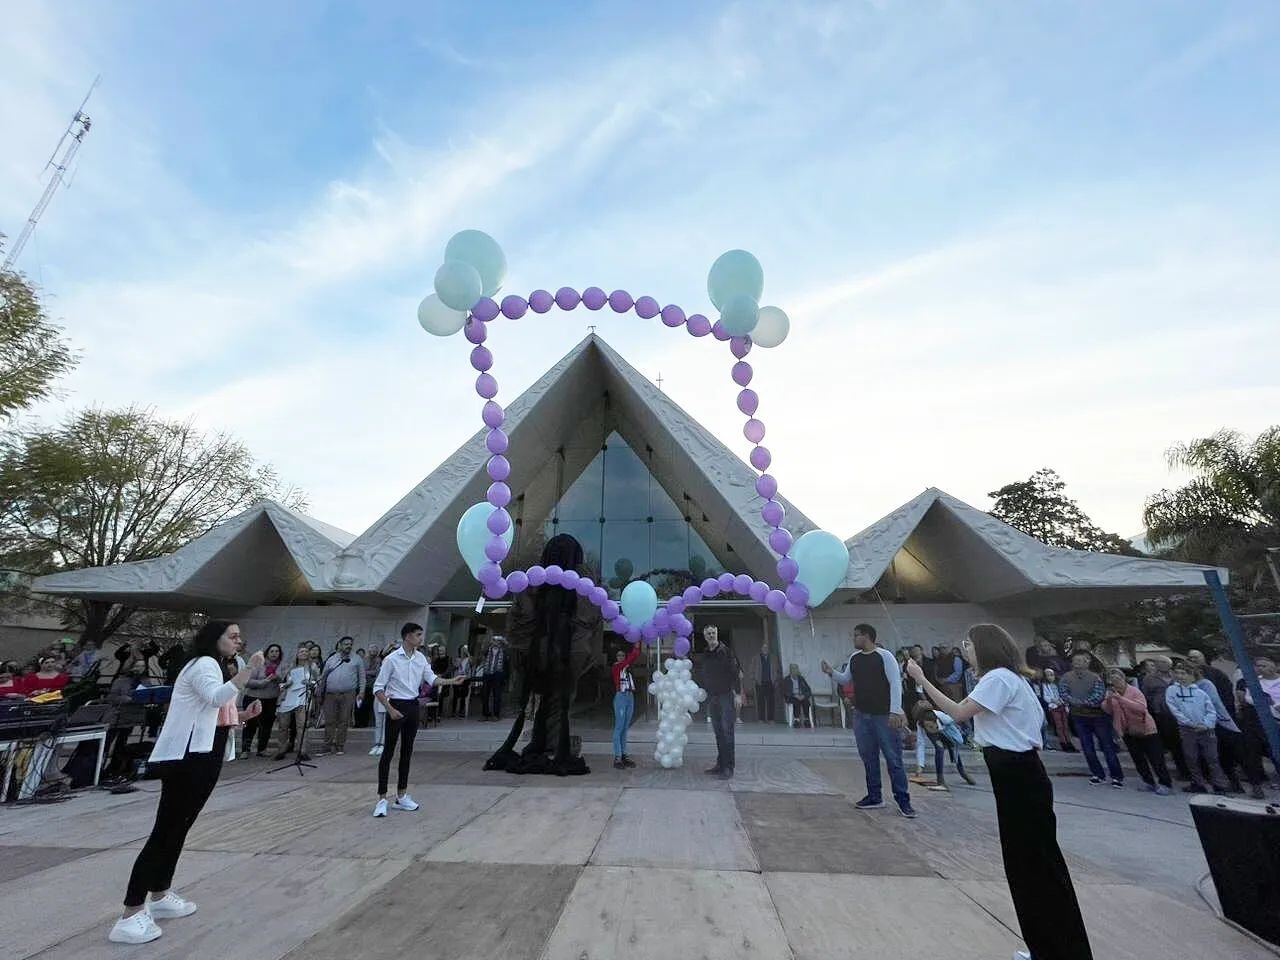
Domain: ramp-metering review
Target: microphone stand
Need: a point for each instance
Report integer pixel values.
(297, 762)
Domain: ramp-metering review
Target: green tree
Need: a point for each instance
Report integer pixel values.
(33, 353)
(1040, 507)
(109, 487)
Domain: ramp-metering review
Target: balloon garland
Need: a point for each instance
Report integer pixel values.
(809, 568)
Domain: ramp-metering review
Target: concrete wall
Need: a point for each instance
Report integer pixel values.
(828, 636)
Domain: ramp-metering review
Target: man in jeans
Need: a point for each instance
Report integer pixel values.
(494, 671)
(721, 676)
(877, 718)
(1083, 692)
(341, 678)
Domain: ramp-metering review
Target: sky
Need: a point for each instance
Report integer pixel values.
(1008, 236)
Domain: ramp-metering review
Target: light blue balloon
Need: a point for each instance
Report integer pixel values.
(735, 272)
(823, 560)
(439, 320)
(739, 314)
(473, 534)
(639, 603)
(458, 285)
(483, 253)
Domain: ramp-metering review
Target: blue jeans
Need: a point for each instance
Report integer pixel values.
(720, 708)
(875, 737)
(624, 708)
(1087, 728)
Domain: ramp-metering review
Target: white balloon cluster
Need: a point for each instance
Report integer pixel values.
(678, 697)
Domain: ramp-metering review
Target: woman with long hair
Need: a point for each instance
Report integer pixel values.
(188, 753)
(555, 634)
(263, 687)
(1007, 719)
(294, 695)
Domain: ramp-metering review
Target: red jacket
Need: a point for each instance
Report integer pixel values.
(626, 663)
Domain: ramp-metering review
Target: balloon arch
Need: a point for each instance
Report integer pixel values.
(809, 568)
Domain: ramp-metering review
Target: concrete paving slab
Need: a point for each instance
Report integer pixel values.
(848, 917)
(1126, 922)
(791, 832)
(534, 825)
(630, 913)
(661, 828)
(291, 898)
(772, 775)
(18, 862)
(83, 896)
(451, 911)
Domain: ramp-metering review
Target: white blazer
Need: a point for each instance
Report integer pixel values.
(193, 710)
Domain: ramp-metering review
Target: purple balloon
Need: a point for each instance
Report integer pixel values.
(609, 608)
(681, 648)
(742, 373)
(719, 332)
(759, 590)
(481, 358)
(598, 596)
(767, 486)
(725, 582)
(633, 635)
(496, 590)
(584, 586)
(742, 584)
(772, 513)
(754, 430)
(621, 624)
(794, 610)
(486, 386)
(647, 308)
(518, 581)
(780, 540)
(593, 298)
(489, 572)
(485, 309)
(567, 298)
(748, 401)
(513, 307)
(495, 549)
(492, 414)
(698, 325)
(498, 494)
(499, 521)
(672, 315)
(649, 631)
(740, 346)
(691, 596)
(788, 569)
(662, 619)
(710, 588)
(499, 468)
(761, 458)
(540, 301)
(537, 575)
(684, 626)
(553, 575)
(775, 600)
(798, 594)
(620, 301)
(675, 605)
(569, 579)
(497, 441)
(474, 331)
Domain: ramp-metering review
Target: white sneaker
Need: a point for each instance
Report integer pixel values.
(139, 928)
(380, 808)
(376, 751)
(1021, 955)
(170, 907)
(406, 803)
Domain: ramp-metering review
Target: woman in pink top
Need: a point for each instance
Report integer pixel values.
(1134, 725)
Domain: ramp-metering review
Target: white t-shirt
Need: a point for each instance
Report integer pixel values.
(291, 699)
(1012, 717)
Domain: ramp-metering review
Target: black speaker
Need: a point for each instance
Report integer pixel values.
(1241, 841)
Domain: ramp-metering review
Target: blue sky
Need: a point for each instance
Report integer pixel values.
(1009, 235)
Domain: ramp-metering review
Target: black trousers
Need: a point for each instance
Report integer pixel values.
(261, 725)
(1043, 897)
(493, 684)
(722, 713)
(764, 702)
(1148, 756)
(1167, 727)
(403, 732)
(1255, 745)
(185, 787)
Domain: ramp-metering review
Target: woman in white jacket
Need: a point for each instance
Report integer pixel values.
(189, 753)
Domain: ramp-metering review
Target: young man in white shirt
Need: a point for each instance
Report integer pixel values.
(397, 688)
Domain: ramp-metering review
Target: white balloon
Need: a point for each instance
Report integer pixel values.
(670, 664)
(438, 319)
(772, 327)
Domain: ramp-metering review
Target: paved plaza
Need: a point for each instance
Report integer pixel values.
(647, 863)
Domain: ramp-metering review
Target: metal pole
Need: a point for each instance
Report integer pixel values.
(1231, 626)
